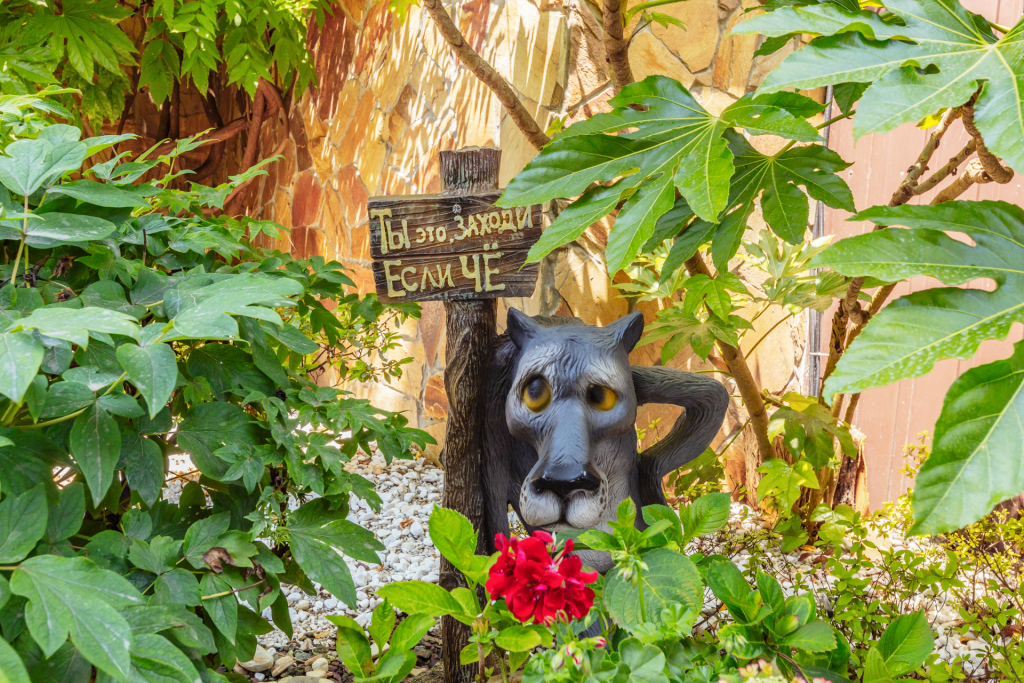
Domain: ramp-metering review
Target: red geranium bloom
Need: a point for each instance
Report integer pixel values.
(537, 586)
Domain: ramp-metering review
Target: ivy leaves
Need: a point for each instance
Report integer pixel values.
(659, 142)
(937, 56)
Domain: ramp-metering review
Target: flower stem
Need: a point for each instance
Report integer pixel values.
(640, 590)
(501, 666)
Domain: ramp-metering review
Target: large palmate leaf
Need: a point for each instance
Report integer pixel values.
(775, 179)
(943, 55)
(668, 144)
(910, 335)
(977, 457)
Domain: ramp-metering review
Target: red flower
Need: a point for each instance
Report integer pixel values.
(537, 586)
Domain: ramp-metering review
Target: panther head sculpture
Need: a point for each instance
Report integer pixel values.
(560, 442)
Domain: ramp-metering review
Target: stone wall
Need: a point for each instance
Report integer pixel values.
(391, 96)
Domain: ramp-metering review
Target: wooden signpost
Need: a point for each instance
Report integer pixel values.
(451, 247)
(458, 248)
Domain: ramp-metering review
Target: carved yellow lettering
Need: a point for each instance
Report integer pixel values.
(380, 214)
(507, 223)
(389, 277)
(461, 224)
(525, 219)
(406, 285)
(447, 275)
(475, 274)
(421, 235)
(494, 221)
(488, 271)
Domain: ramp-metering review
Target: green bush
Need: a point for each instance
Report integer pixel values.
(138, 323)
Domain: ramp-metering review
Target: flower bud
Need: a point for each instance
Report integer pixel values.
(600, 641)
(557, 661)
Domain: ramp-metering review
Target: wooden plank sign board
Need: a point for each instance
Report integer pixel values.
(451, 247)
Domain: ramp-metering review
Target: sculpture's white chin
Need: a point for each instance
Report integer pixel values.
(548, 511)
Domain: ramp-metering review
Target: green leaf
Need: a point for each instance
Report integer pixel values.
(223, 609)
(874, 668)
(670, 578)
(910, 335)
(352, 646)
(674, 132)
(906, 643)
(74, 325)
(517, 639)
(645, 663)
(96, 445)
(206, 312)
(121, 405)
(22, 524)
(771, 592)
(409, 633)
(942, 57)
(155, 660)
(21, 354)
(103, 194)
(144, 465)
(28, 165)
(64, 519)
(706, 515)
(809, 428)
(73, 595)
(783, 480)
(977, 449)
(382, 623)
(453, 536)
(153, 370)
(776, 180)
(825, 19)
(158, 556)
(210, 426)
(64, 398)
(420, 597)
(573, 221)
(317, 534)
(729, 586)
(12, 669)
(203, 535)
(49, 229)
(813, 637)
(635, 222)
(66, 665)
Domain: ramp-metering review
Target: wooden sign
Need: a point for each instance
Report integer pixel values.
(451, 248)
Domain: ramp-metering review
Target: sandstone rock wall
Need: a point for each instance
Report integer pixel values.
(392, 95)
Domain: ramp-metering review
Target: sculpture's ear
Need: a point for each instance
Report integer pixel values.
(627, 330)
(521, 328)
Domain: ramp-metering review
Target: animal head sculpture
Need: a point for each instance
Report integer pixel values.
(560, 435)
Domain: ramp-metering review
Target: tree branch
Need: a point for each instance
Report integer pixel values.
(615, 45)
(989, 161)
(974, 174)
(906, 188)
(486, 73)
(950, 167)
(745, 382)
(213, 159)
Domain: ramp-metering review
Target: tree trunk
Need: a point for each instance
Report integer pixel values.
(471, 331)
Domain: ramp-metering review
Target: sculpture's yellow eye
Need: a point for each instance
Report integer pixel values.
(601, 397)
(537, 394)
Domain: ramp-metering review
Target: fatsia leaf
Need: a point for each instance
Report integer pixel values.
(74, 596)
(592, 206)
(977, 457)
(910, 335)
(944, 53)
(635, 222)
(674, 128)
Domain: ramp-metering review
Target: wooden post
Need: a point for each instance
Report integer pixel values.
(471, 330)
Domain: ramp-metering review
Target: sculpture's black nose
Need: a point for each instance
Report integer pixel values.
(565, 481)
